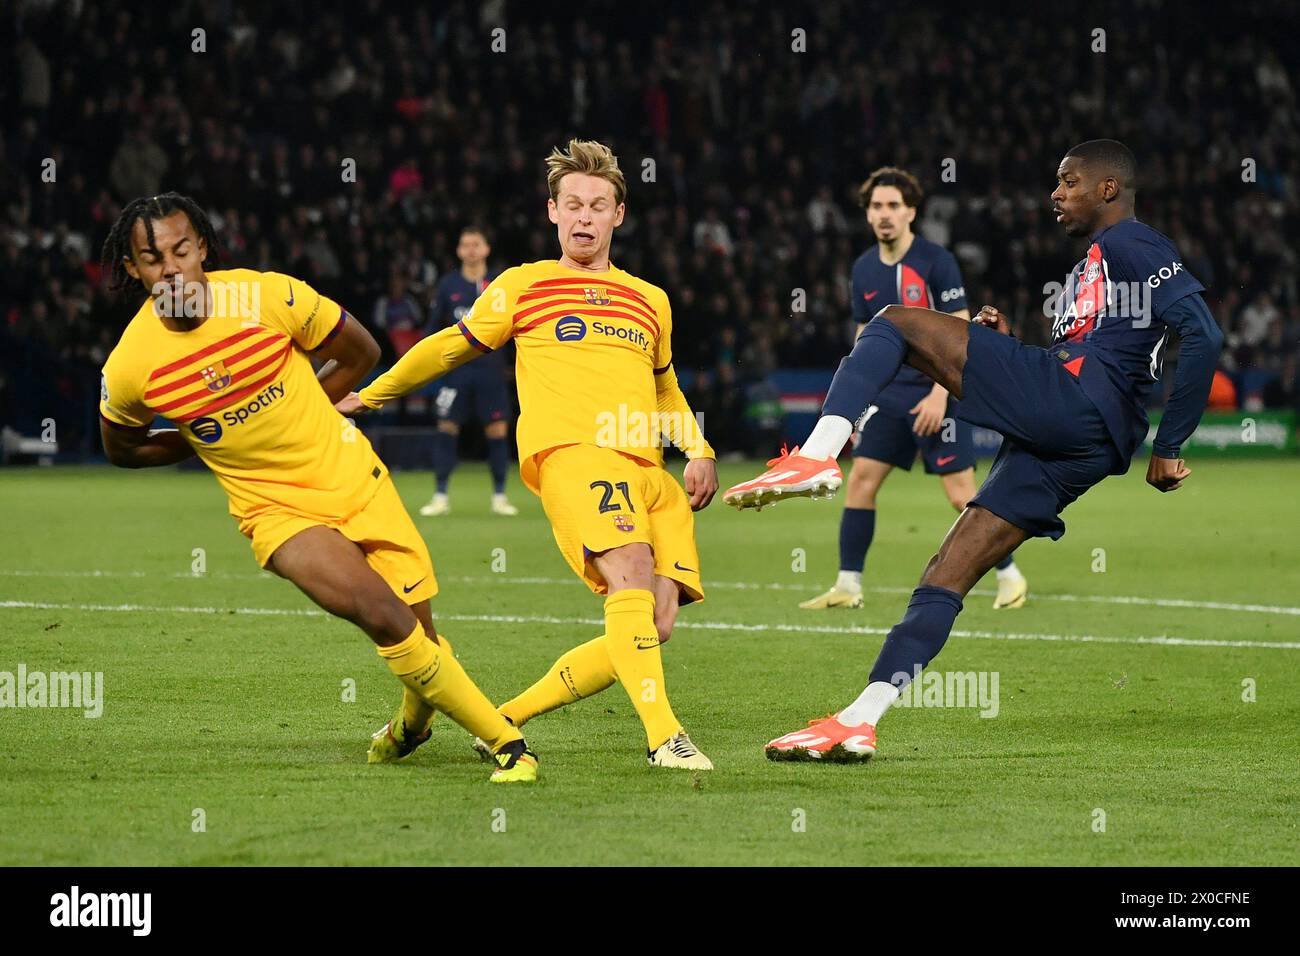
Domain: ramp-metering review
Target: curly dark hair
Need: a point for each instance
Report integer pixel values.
(901, 179)
(117, 247)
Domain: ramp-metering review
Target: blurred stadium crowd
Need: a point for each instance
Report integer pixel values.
(743, 158)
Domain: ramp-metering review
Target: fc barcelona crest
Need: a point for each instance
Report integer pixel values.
(216, 377)
(596, 296)
(623, 523)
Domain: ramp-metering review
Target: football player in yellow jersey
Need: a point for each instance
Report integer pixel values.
(597, 397)
(224, 355)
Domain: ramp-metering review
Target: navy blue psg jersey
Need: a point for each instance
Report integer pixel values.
(453, 298)
(1108, 326)
(926, 277)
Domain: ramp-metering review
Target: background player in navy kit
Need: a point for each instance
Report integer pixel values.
(913, 413)
(1070, 414)
(479, 385)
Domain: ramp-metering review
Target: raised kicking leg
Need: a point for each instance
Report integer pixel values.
(933, 342)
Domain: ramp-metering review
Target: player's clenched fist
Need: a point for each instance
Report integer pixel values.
(701, 481)
(993, 319)
(1166, 474)
(350, 404)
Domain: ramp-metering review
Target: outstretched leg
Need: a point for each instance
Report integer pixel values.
(333, 572)
(933, 342)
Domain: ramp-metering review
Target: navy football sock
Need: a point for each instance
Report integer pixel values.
(857, 526)
(876, 358)
(1006, 562)
(498, 458)
(444, 458)
(917, 639)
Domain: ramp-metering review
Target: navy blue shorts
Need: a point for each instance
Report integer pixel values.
(480, 386)
(888, 437)
(1055, 445)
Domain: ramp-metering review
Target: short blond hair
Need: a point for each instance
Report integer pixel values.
(585, 156)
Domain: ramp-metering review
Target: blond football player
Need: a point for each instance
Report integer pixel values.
(597, 397)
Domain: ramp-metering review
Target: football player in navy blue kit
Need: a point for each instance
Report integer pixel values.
(1070, 414)
(912, 415)
(479, 387)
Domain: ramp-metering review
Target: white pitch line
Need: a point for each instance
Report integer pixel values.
(724, 585)
(1163, 639)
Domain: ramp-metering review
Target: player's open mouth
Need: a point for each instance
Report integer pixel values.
(584, 237)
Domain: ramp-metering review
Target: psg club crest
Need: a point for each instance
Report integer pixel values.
(912, 292)
(1091, 273)
(596, 296)
(216, 377)
(623, 523)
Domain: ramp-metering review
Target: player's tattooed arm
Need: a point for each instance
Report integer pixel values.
(347, 358)
(142, 447)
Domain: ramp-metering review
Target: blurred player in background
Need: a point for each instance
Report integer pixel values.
(224, 355)
(1070, 414)
(597, 397)
(481, 385)
(912, 415)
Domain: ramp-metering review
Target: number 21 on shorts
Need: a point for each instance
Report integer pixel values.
(607, 502)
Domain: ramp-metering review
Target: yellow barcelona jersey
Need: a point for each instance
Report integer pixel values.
(243, 393)
(588, 345)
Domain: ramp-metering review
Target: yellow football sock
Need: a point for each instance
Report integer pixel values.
(436, 677)
(633, 644)
(579, 673)
(416, 714)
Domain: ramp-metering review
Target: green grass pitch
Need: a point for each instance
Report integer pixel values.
(1116, 750)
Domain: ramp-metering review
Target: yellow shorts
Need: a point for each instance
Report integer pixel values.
(382, 528)
(598, 499)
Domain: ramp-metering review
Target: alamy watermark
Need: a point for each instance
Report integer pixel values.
(192, 300)
(633, 428)
(82, 690)
(974, 689)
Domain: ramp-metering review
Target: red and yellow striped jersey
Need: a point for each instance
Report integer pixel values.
(245, 396)
(588, 347)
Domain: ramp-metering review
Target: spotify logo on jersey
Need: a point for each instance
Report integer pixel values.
(206, 430)
(570, 329)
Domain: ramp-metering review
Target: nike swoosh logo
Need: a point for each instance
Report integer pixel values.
(870, 295)
(646, 647)
(406, 590)
(678, 566)
(289, 301)
(943, 461)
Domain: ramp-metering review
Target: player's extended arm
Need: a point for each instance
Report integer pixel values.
(129, 447)
(428, 359)
(677, 422)
(1201, 340)
(348, 356)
